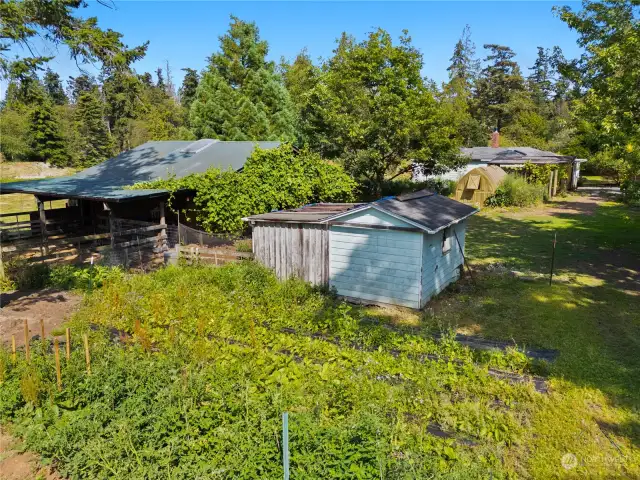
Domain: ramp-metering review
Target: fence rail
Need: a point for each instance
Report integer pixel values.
(192, 254)
(130, 242)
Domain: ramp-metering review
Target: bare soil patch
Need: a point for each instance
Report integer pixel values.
(18, 465)
(52, 306)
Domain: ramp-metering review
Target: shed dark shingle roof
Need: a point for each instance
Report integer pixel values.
(431, 211)
(150, 161)
(427, 210)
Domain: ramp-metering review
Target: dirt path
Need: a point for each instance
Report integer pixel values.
(17, 465)
(54, 307)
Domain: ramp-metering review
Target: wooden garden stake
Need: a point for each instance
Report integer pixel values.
(86, 353)
(42, 331)
(56, 352)
(553, 257)
(26, 340)
(68, 345)
(13, 348)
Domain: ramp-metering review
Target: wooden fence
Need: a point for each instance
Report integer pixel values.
(24, 225)
(136, 243)
(193, 255)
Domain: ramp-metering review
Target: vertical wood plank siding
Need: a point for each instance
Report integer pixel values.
(293, 249)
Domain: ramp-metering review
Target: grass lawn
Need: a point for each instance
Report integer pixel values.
(592, 316)
(598, 180)
(198, 364)
(19, 171)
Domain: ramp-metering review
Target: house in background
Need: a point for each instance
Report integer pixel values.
(505, 157)
(398, 250)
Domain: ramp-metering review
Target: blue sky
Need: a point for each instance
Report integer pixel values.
(185, 33)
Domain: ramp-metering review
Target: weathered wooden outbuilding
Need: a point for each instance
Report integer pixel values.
(104, 216)
(398, 250)
(479, 184)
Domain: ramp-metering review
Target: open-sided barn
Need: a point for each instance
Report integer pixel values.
(101, 212)
(398, 250)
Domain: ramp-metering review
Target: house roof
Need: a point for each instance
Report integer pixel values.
(513, 155)
(425, 210)
(150, 161)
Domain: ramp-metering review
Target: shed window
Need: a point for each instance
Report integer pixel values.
(474, 182)
(446, 240)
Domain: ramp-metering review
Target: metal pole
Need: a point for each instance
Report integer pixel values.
(553, 257)
(285, 444)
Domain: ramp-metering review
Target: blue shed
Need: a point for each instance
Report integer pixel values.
(398, 250)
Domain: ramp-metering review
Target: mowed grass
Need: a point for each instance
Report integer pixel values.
(590, 314)
(19, 171)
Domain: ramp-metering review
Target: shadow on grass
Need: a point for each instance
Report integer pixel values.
(591, 316)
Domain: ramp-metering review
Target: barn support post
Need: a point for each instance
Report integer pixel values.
(112, 226)
(43, 226)
(555, 181)
(162, 236)
(550, 186)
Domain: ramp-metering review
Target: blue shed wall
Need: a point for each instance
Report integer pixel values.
(438, 269)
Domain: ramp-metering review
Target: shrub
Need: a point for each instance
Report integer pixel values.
(516, 192)
(274, 179)
(27, 276)
(398, 186)
(631, 192)
(34, 276)
(243, 245)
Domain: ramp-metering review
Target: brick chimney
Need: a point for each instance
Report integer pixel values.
(495, 139)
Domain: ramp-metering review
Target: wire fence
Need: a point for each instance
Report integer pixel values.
(191, 236)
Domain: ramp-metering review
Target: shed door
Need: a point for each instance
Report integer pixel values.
(381, 266)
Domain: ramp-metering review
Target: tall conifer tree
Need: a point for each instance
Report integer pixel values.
(241, 95)
(94, 144)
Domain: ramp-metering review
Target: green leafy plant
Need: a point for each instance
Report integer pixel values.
(516, 192)
(270, 180)
(243, 245)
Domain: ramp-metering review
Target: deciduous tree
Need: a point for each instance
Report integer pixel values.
(372, 110)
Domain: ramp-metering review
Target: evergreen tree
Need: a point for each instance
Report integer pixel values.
(81, 84)
(53, 87)
(160, 83)
(121, 91)
(500, 78)
(46, 140)
(456, 96)
(241, 95)
(93, 142)
(300, 77)
(540, 80)
(189, 86)
(241, 51)
(464, 67)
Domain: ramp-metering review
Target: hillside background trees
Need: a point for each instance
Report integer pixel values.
(367, 107)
